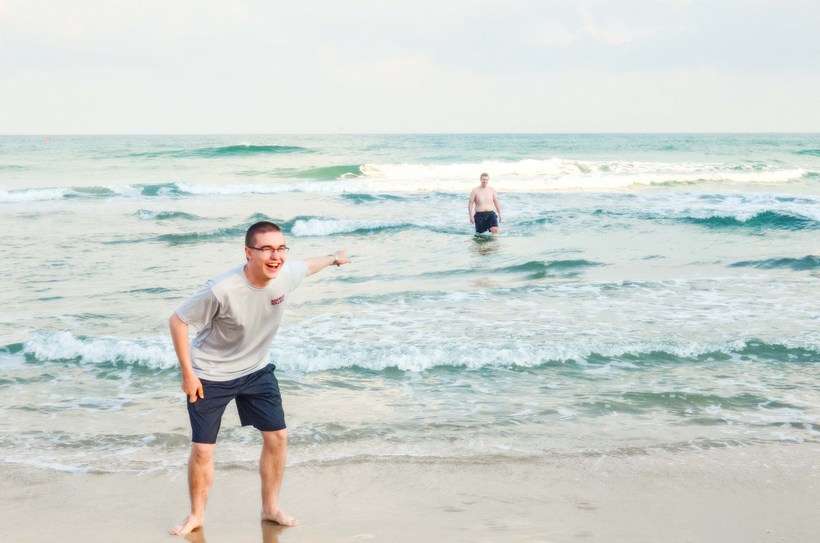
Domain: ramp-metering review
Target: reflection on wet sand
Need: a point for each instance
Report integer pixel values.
(270, 533)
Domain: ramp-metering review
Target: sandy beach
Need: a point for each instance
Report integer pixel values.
(721, 495)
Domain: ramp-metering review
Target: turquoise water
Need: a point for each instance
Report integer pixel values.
(647, 293)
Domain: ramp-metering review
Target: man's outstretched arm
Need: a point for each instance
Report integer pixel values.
(319, 263)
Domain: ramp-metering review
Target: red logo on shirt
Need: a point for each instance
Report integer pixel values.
(278, 300)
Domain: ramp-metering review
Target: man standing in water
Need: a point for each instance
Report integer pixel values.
(485, 200)
(238, 314)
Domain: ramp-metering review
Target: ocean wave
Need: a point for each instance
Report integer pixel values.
(329, 173)
(357, 183)
(230, 232)
(33, 195)
(301, 226)
(588, 357)
(61, 346)
(362, 198)
(535, 269)
(538, 269)
(248, 149)
(148, 215)
(202, 189)
(291, 354)
(808, 152)
(320, 226)
(89, 192)
(557, 174)
(239, 150)
(161, 190)
(810, 262)
(762, 220)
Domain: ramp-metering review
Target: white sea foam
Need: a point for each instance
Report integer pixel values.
(327, 227)
(303, 353)
(55, 346)
(739, 206)
(52, 466)
(558, 174)
(33, 195)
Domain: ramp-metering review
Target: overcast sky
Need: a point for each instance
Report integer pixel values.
(327, 66)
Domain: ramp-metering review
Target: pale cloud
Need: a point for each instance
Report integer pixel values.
(549, 34)
(413, 73)
(616, 26)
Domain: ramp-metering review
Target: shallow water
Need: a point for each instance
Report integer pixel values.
(648, 292)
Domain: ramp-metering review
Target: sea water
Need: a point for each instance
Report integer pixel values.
(646, 293)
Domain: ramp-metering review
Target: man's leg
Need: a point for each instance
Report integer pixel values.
(271, 470)
(200, 479)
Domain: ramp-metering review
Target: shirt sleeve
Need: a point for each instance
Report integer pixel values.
(200, 309)
(298, 271)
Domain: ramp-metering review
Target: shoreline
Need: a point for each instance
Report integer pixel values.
(763, 493)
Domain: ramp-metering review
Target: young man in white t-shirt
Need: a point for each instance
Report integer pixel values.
(238, 314)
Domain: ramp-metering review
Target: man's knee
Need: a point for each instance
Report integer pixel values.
(276, 439)
(202, 453)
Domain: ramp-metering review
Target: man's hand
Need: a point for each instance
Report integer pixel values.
(192, 387)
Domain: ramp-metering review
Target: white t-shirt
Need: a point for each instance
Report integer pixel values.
(237, 321)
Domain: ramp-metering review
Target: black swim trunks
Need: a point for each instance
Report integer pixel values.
(484, 220)
(257, 399)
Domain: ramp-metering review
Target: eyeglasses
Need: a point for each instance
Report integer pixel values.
(267, 250)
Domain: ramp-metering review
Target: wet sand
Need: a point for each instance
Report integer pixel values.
(738, 495)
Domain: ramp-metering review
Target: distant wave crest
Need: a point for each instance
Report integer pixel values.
(222, 151)
(329, 173)
(247, 149)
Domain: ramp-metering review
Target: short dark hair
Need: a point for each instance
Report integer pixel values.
(259, 228)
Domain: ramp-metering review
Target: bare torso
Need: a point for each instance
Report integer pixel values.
(484, 198)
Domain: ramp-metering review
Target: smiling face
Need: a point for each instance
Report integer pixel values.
(264, 265)
(484, 180)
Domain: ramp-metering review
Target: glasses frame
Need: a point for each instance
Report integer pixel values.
(268, 250)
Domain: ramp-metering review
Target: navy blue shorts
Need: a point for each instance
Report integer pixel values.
(484, 220)
(257, 399)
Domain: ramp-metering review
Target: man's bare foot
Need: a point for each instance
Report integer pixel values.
(280, 517)
(188, 525)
